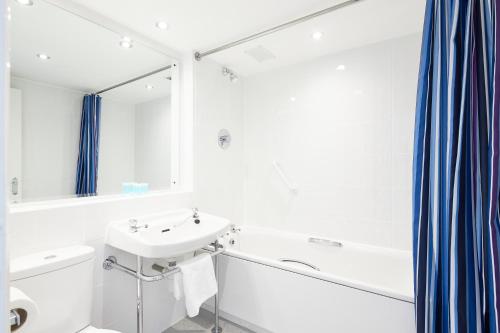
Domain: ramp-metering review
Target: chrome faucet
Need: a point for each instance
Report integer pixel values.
(196, 214)
(133, 227)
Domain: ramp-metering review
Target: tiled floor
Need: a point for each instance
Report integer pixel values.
(204, 324)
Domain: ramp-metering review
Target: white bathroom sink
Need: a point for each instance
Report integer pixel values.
(166, 235)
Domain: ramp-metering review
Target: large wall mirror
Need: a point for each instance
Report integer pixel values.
(91, 111)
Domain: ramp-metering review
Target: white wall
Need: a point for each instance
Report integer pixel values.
(14, 130)
(218, 173)
(51, 127)
(4, 294)
(153, 143)
(344, 137)
(116, 147)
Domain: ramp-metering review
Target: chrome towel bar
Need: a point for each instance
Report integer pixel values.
(112, 263)
(324, 241)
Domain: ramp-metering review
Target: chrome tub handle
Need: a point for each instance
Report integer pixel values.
(299, 262)
(324, 241)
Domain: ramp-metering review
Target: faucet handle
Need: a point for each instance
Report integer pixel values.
(195, 212)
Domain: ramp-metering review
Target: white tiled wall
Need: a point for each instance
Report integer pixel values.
(219, 173)
(343, 136)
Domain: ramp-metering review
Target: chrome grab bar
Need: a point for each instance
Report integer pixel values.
(299, 262)
(324, 241)
(291, 186)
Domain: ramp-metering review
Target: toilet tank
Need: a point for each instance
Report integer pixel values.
(60, 283)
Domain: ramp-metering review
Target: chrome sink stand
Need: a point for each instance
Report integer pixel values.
(112, 263)
(139, 299)
(216, 328)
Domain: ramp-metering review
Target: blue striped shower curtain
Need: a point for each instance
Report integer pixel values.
(456, 230)
(88, 156)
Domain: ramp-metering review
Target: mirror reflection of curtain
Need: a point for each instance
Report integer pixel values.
(88, 156)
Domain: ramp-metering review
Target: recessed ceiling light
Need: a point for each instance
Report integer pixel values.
(293, 99)
(341, 68)
(7, 64)
(149, 87)
(25, 2)
(9, 15)
(162, 25)
(317, 35)
(126, 42)
(43, 56)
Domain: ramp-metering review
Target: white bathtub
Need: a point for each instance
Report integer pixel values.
(357, 288)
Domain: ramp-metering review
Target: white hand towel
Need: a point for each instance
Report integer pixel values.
(198, 279)
(176, 285)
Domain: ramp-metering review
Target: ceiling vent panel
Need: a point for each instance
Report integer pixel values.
(260, 54)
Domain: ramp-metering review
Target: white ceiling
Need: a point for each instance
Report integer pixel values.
(84, 56)
(201, 25)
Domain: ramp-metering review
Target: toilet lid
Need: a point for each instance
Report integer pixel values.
(91, 329)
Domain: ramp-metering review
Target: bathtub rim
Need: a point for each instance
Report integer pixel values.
(320, 275)
(327, 277)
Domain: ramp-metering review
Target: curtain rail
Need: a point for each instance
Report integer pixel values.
(199, 55)
(134, 79)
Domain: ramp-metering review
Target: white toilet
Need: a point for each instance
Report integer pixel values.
(60, 283)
